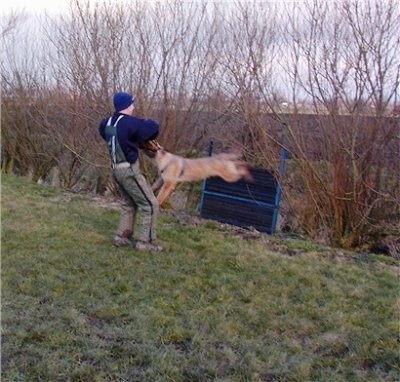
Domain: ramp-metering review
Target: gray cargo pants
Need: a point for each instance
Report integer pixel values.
(136, 196)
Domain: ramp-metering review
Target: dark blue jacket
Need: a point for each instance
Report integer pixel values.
(131, 131)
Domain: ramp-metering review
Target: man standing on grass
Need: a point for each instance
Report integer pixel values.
(124, 133)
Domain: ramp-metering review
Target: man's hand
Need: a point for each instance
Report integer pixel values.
(150, 147)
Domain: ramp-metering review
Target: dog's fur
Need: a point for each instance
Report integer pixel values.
(174, 169)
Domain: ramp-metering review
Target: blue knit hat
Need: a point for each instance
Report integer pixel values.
(122, 100)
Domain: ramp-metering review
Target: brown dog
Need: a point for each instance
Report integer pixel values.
(174, 169)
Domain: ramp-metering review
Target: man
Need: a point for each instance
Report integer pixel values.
(124, 133)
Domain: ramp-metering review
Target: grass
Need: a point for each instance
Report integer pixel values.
(216, 306)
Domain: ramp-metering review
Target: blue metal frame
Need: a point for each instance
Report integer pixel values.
(284, 155)
(203, 187)
(278, 192)
(240, 199)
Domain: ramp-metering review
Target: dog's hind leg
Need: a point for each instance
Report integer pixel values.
(165, 190)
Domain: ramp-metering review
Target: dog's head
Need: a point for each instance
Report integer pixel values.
(150, 147)
(161, 156)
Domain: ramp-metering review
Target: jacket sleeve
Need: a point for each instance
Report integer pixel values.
(102, 128)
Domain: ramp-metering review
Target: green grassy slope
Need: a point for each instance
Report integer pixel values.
(213, 307)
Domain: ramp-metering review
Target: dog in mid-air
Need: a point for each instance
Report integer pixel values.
(174, 169)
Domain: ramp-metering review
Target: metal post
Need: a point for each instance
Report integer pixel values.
(203, 187)
(284, 155)
(210, 148)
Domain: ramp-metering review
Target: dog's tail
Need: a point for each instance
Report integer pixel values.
(243, 169)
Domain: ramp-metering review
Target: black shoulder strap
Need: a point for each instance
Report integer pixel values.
(114, 148)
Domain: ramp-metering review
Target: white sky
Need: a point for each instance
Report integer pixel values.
(34, 6)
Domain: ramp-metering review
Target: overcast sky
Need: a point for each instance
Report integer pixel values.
(34, 5)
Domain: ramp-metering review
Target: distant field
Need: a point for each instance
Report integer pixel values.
(218, 305)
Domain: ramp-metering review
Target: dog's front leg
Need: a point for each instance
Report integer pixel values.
(157, 184)
(165, 190)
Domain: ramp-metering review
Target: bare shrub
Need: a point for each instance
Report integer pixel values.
(318, 79)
